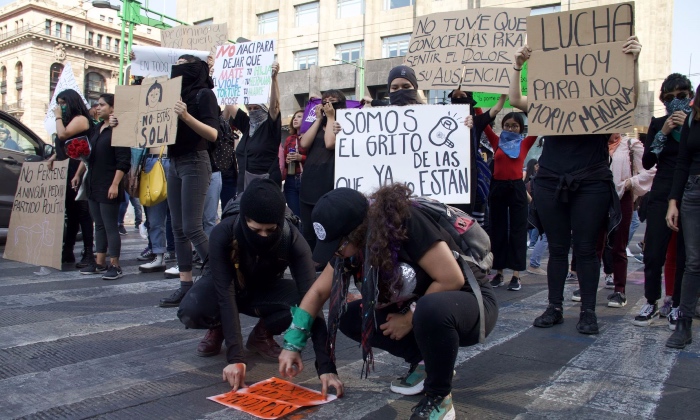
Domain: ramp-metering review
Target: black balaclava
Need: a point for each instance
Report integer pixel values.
(195, 76)
(262, 202)
(403, 97)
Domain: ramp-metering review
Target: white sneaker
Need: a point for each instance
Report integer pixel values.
(172, 273)
(156, 265)
(609, 282)
(143, 231)
(629, 253)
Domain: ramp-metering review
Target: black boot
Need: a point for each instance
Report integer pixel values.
(87, 258)
(683, 334)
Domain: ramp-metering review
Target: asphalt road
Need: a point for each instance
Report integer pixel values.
(74, 346)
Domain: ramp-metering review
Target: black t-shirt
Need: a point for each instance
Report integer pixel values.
(319, 170)
(205, 110)
(666, 160)
(567, 154)
(258, 154)
(688, 156)
(104, 161)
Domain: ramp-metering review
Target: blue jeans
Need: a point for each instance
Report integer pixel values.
(228, 189)
(157, 214)
(690, 214)
(188, 182)
(211, 203)
(533, 237)
(540, 247)
(138, 215)
(633, 226)
(292, 186)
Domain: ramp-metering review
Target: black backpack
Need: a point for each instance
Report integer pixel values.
(223, 153)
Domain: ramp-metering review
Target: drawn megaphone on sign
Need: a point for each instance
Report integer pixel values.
(440, 134)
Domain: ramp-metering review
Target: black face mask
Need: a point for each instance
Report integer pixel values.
(260, 245)
(403, 97)
(464, 100)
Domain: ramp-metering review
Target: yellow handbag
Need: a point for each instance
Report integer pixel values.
(153, 186)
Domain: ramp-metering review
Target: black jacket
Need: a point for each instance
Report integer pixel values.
(103, 163)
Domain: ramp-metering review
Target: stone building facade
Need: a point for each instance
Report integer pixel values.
(37, 38)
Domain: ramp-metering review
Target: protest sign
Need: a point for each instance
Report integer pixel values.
(196, 37)
(487, 100)
(243, 72)
(424, 146)
(310, 112)
(66, 81)
(35, 234)
(478, 43)
(580, 81)
(272, 398)
(146, 113)
(157, 61)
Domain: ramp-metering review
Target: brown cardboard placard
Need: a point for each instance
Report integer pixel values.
(146, 113)
(195, 37)
(579, 80)
(478, 43)
(38, 211)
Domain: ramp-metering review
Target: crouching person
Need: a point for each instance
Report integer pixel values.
(249, 252)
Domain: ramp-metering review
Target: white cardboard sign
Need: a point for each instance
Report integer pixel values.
(243, 72)
(158, 61)
(66, 81)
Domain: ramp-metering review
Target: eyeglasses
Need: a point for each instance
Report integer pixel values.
(339, 251)
(512, 127)
(668, 97)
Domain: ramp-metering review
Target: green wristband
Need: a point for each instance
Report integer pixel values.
(301, 318)
(297, 335)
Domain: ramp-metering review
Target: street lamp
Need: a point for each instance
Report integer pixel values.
(359, 64)
(131, 15)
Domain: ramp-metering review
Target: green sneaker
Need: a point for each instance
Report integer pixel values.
(412, 383)
(434, 408)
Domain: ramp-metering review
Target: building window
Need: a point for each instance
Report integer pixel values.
(542, 10)
(99, 41)
(349, 8)
(438, 97)
(102, 17)
(267, 22)
(94, 87)
(47, 27)
(306, 14)
(116, 45)
(59, 29)
(349, 52)
(395, 4)
(18, 81)
(395, 46)
(54, 75)
(108, 43)
(69, 32)
(91, 35)
(209, 21)
(305, 58)
(148, 30)
(110, 19)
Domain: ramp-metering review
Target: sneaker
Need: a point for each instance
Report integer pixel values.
(609, 283)
(576, 296)
(646, 315)
(85, 260)
(665, 309)
(172, 273)
(640, 246)
(549, 318)
(122, 230)
(514, 284)
(174, 299)
(639, 258)
(629, 252)
(136, 226)
(412, 382)
(170, 257)
(143, 232)
(434, 408)
(617, 300)
(114, 272)
(571, 277)
(146, 255)
(93, 268)
(157, 264)
(673, 318)
(587, 322)
(497, 280)
(536, 271)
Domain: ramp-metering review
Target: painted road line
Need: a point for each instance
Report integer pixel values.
(89, 293)
(621, 374)
(41, 332)
(57, 276)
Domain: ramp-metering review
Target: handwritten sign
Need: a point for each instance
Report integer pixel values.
(38, 211)
(272, 398)
(477, 42)
(424, 146)
(243, 72)
(146, 113)
(580, 81)
(66, 81)
(157, 61)
(487, 100)
(310, 112)
(196, 37)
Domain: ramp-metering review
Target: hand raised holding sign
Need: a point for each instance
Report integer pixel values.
(469, 121)
(275, 69)
(632, 46)
(181, 110)
(522, 55)
(235, 375)
(113, 122)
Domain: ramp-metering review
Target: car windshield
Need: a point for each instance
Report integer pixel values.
(13, 138)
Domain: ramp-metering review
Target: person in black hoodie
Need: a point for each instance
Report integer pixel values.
(249, 255)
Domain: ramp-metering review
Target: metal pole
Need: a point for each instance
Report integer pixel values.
(361, 81)
(121, 49)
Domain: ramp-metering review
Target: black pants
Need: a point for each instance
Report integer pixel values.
(508, 230)
(656, 239)
(442, 323)
(582, 219)
(307, 227)
(690, 213)
(106, 216)
(78, 218)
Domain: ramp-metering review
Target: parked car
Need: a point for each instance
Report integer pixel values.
(31, 149)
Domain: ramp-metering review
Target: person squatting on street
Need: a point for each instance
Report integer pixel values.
(245, 274)
(575, 198)
(412, 280)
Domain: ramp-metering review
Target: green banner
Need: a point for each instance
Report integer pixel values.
(487, 100)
